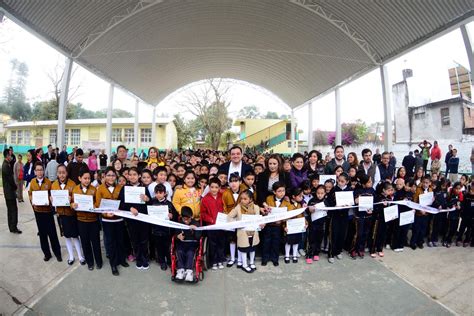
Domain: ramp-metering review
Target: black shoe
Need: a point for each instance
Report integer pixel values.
(164, 266)
(17, 231)
(230, 263)
(287, 260)
(247, 269)
(264, 263)
(413, 247)
(125, 264)
(46, 258)
(295, 259)
(70, 262)
(59, 258)
(83, 262)
(99, 266)
(275, 263)
(115, 271)
(421, 246)
(90, 267)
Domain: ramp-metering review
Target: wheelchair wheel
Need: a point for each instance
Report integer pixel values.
(205, 254)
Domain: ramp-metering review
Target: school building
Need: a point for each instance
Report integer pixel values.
(266, 135)
(91, 134)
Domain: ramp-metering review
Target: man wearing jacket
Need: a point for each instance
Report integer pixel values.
(9, 191)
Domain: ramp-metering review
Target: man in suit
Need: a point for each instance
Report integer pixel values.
(235, 164)
(409, 162)
(47, 156)
(9, 191)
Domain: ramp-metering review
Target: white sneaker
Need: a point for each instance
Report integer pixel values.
(180, 274)
(301, 252)
(398, 250)
(331, 260)
(214, 267)
(339, 256)
(388, 247)
(220, 265)
(189, 276)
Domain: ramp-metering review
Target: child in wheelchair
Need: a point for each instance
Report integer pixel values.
(187, 242)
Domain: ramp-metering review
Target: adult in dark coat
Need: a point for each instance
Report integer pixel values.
(235, 164)
(273, 172)
(9, 191)
(409, 162)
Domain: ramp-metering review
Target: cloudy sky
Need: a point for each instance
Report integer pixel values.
(361, 99)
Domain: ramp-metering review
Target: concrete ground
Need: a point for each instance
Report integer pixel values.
(423, 282)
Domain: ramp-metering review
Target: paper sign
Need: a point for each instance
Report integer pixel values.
(158, 211)
(255, 227)
(426, 199)
(390, 213)
(132, 194)
(40, 198)
(84, 202)
(324, 177)
(318, 213)
(407, 217)
(366, 203)
(109, 205)
(278, 210)
(222, 219)
(344, 198)
(60, 197)
(295, 225)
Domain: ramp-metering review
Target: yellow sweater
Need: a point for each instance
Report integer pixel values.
(190, 197)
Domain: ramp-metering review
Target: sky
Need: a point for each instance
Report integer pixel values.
(360, 99)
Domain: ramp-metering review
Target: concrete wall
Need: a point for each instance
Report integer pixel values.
(401, 101)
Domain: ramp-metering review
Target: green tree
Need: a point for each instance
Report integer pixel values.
(210, 108)
(184, 130)
(14, 98)
(271, 115)
(249, 112)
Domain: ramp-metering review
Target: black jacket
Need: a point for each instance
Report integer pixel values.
(9, 186)
(161, 230)
(262, 185)
(225, 167)
(409, 163)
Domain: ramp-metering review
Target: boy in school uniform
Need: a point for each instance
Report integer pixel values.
(211, 205)
(272, 232)
(230, 198)
(187, 241)
(249, 183)
(44, 215)
(162, 235)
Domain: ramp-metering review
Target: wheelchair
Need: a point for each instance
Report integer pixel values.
(199, 262)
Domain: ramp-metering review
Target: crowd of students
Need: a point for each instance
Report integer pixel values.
(198, 185)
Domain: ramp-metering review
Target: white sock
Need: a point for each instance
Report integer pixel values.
(77, 245)
(244, 259)
(232, 251)
(239, 256)
(287, 250)
(295, 250)
(69, 248)
(252, 257)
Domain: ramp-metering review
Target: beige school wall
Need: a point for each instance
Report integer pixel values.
(91, 134)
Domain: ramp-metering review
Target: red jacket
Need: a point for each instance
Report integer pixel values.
(435, 153)
(210, 206)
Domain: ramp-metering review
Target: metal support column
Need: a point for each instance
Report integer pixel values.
(387, 109)
(338, 140)
(468, 43)
(310, 126)
(135, 127)
(108, 129)
(63, 103)
(153, 127)
(293, 132)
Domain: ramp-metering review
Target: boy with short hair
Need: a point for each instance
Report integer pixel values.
(77, 165)
(187, 241)
(249, 183)
(421, 217)
(161, 175)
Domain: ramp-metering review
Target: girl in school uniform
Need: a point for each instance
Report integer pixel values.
(379, 228)
(139, 231)
(88, 222)
(246, 240)
(316, 228)
(293, 240)
(338, 220)
(67, 217)
(454, 200)
(230, 198)
(113, 225)
(363, 218)
(188, 195)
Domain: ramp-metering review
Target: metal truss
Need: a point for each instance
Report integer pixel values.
(312, 6)
(114, 21)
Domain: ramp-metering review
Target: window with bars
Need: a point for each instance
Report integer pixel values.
(445, 117)
(13, 137)
(19, 137)
(66, 137)
(145, 136)
(129, 136)
(75, 136)
(117, 135)
(27, 137)
(53, 136)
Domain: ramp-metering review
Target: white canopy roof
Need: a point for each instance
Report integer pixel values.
(297, 49)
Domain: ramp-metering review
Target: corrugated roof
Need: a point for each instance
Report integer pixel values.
(295, 48)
